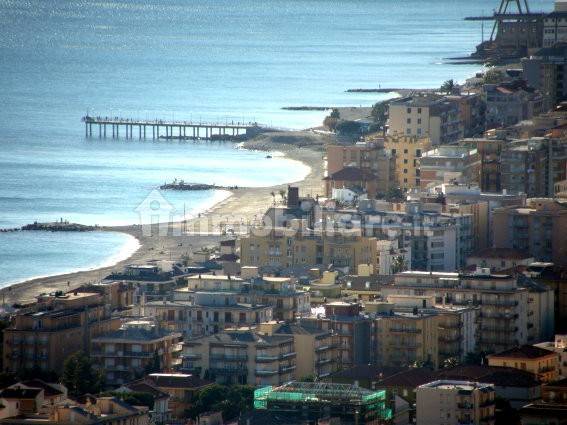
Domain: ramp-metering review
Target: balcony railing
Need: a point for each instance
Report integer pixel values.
(230, 357)
(266, 372)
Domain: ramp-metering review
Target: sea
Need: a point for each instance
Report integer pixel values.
(205, 60)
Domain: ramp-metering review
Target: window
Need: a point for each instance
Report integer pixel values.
(408, 121)
(405, 170)
(405, 151)
(419, 120)
(228, 317)
(408, 131)
(405, 161)
(393, 151)
(419, 131)
(418, 152)
(408, 110)
(419, 110)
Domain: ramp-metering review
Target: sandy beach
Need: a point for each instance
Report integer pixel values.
(244, 207)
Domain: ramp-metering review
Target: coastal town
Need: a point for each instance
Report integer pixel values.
(417, 275)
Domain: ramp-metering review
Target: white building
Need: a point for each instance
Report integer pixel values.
(455, 403)
(391, 258)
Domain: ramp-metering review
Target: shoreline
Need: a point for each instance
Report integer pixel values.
(242, 206)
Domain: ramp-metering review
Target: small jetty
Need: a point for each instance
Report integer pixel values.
(170, 130)
(181, 185)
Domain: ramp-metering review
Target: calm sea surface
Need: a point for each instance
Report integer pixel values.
(202, 60)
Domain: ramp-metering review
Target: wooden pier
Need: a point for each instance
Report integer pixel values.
(156, 129)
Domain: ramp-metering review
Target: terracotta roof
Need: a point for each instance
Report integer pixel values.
(412, 378)
(499, 376)
(48, 390)
(142, 386)
(523, 352)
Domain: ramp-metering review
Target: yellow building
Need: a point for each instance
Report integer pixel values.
(282, 248)
(405, 339)
(543, 364)
(407, 150)
(316, 348)
(57, 326)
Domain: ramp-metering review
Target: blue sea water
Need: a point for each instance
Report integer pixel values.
(202, 60)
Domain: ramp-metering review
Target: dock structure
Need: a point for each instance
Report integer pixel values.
(156, 129)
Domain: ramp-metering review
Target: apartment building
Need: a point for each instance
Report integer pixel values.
(392, 258)
(539, 229)
(280, 293)
(425, 116)
(242, 356)
(57, 326)
(555, 25)
(545, 70)
(125, 354)
(510, 103)
(352, 331)
(317, 354)
(438, 241)
(558, 346)
(207, 313)
(407, 151)
(364, 165)
(543, 364)
(472, 111)
(455, 332)
(448, 402)
(279, 249)
(444, 164)
(407, 339)
(524, 167)
(503, 318)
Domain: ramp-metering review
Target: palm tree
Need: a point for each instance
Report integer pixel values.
(282, 194)
(399, 264)
(273, 196)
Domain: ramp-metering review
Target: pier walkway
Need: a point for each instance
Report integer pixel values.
(157, 129)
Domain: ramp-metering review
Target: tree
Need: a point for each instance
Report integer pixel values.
(330, 123)
(230, 401)
(134, 398)
(450, 362)
(399, 264)
(395, 194)
(335, 114)
(282, 194)
(79, 376)
(273, 196)
(448, 87)
(380, 113)
(473, 358)
(348, 128)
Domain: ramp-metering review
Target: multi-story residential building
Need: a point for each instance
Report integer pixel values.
(543, 364)
(207, 313)
(524, 167)
(446, 164)
(281, 293)
(472, 112)
(183, 389)
(407, 339)
(455, 403)
(539, 228)
(545, 70)
(490, 176)
(499, 259)
(558, 346)
(242, 356)
(392, 258)
(407, 151)
(316, 349)
(426, 115)
(279, 249)
(555, 25)
(352, 330)
(456, 330)
(125, 354)
(510, 103)
(364, 165)
(503, 318)
(57, 326)
(438, 241)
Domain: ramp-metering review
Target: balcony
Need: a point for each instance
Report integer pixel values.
(266, 358)
(230, 357)
(266, 372)
(405, 330)
(286, 369)
(322, 362)
(224, 370)
(500, 303)
(465, 406)
(192, 356)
